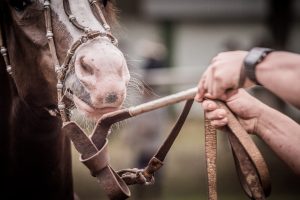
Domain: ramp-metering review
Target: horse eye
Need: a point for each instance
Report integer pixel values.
(20, 5)
(105, 2)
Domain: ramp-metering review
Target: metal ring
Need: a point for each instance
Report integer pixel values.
(46, 4)
(84, 39)
(49, 35)
(61, 106)
(3, 51)
(9, 69)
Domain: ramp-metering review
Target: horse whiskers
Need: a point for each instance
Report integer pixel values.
(136, 88)
(85, 123)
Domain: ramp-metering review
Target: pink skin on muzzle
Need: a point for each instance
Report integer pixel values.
(102, 70)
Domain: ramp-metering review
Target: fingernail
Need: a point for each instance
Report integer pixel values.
(208, 95)
(197, 98)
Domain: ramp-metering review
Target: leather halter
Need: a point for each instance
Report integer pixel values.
(64, 68)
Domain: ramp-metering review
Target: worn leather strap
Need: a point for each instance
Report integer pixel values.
(245, 170)
(251, 166)
(156, 162)
(97, 160)
(211, 159)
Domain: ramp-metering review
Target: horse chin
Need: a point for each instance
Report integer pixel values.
(92, 113)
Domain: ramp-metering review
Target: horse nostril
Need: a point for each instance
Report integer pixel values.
(111, 98)
(87, 65)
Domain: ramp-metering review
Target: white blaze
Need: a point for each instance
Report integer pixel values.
(81, 10)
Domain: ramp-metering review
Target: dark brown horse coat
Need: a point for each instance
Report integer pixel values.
(35, 155)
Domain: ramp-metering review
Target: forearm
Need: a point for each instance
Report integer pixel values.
(280, 73)
(282, 135)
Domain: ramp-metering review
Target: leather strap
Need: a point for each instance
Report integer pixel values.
(157, 160)
(246, 171)
(166, 146)
(211, 159)
(250, 164)
(146, 175)
(97, 160)
(249, 161)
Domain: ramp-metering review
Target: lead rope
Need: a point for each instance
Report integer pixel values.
(250, 165)
(211, 158)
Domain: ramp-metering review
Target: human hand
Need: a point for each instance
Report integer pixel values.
(247, 108)
(222, 75)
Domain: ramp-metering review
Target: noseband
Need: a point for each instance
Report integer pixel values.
(63, 68)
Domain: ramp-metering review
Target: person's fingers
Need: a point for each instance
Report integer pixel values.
(219, 123)
(217, 114)
(217, 90)
(209, 105)
(209, 96)
(211, 81)
(228, 94)
(201, 87)
(201, 90)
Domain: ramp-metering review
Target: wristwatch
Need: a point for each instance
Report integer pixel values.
(253, 58)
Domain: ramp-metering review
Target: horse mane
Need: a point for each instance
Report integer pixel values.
(111, 14)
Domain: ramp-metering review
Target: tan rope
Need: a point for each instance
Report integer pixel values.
(211, 159)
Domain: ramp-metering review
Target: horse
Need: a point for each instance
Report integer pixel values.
(35, 155)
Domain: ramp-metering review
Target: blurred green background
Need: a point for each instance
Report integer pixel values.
(168, 44)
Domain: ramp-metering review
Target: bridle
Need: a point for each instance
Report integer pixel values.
(64, 68)
(250, 164)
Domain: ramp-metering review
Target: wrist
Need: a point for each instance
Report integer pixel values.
(255, 56)
(264, 116)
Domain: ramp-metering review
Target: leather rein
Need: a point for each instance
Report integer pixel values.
(250, 165)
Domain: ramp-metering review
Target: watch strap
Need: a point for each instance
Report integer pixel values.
(255, 56)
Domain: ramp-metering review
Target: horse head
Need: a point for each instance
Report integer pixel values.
(97, 76)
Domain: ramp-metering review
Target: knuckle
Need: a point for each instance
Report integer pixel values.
(221, 113)
(205, 105)
(218, 77)
(213, 68)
